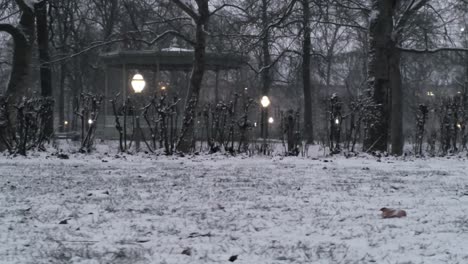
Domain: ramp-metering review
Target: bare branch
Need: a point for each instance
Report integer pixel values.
(8, 16)
(431, 51)
(24, 7)
(13, 31)
(357, 26)
(411, 9)
(267, 67)
(189, 11)
(289, 9)
(357, 7)
(168, 32)
(99, 44)
(168, 20)
(228, 5)
(10, 29)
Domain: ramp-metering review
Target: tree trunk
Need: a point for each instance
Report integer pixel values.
(44, 59)
(61, 100)
(20, 72)
(306, 82)
(396, 133)
(266, 78)
(186, 139)
(380, 52)
(23, 37)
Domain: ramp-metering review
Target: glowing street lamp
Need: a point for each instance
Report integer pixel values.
(271, 120)
(138, 83)
(337, 121)
(65, 123)
(90, 121)
(265, 101)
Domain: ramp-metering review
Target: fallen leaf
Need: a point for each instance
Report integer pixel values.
(62, 156)
(187, 252)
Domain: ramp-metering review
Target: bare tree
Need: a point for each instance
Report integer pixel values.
(306, 71)
(44, 59)
(200, 18)
(384, 77)
(23, 36)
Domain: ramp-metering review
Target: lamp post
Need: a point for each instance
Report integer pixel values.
(265, 102)
(464, 94)
(269, 125)
(464, 32)
(138, 84)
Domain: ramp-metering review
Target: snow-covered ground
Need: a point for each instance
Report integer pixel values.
(104, 208)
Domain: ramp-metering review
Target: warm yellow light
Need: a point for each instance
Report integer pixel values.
(459, 126)
(271, 120)
(430, 93)
(138, 83)
(163, 88)
(65, 122)
(265, 101)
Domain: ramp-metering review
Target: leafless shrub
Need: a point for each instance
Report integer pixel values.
(87, 110)
(23, 128)
(160, 115)
(226, 124)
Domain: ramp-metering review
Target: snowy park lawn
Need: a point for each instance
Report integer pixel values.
(207, 209)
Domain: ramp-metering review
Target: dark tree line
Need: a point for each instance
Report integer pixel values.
(313, 46)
